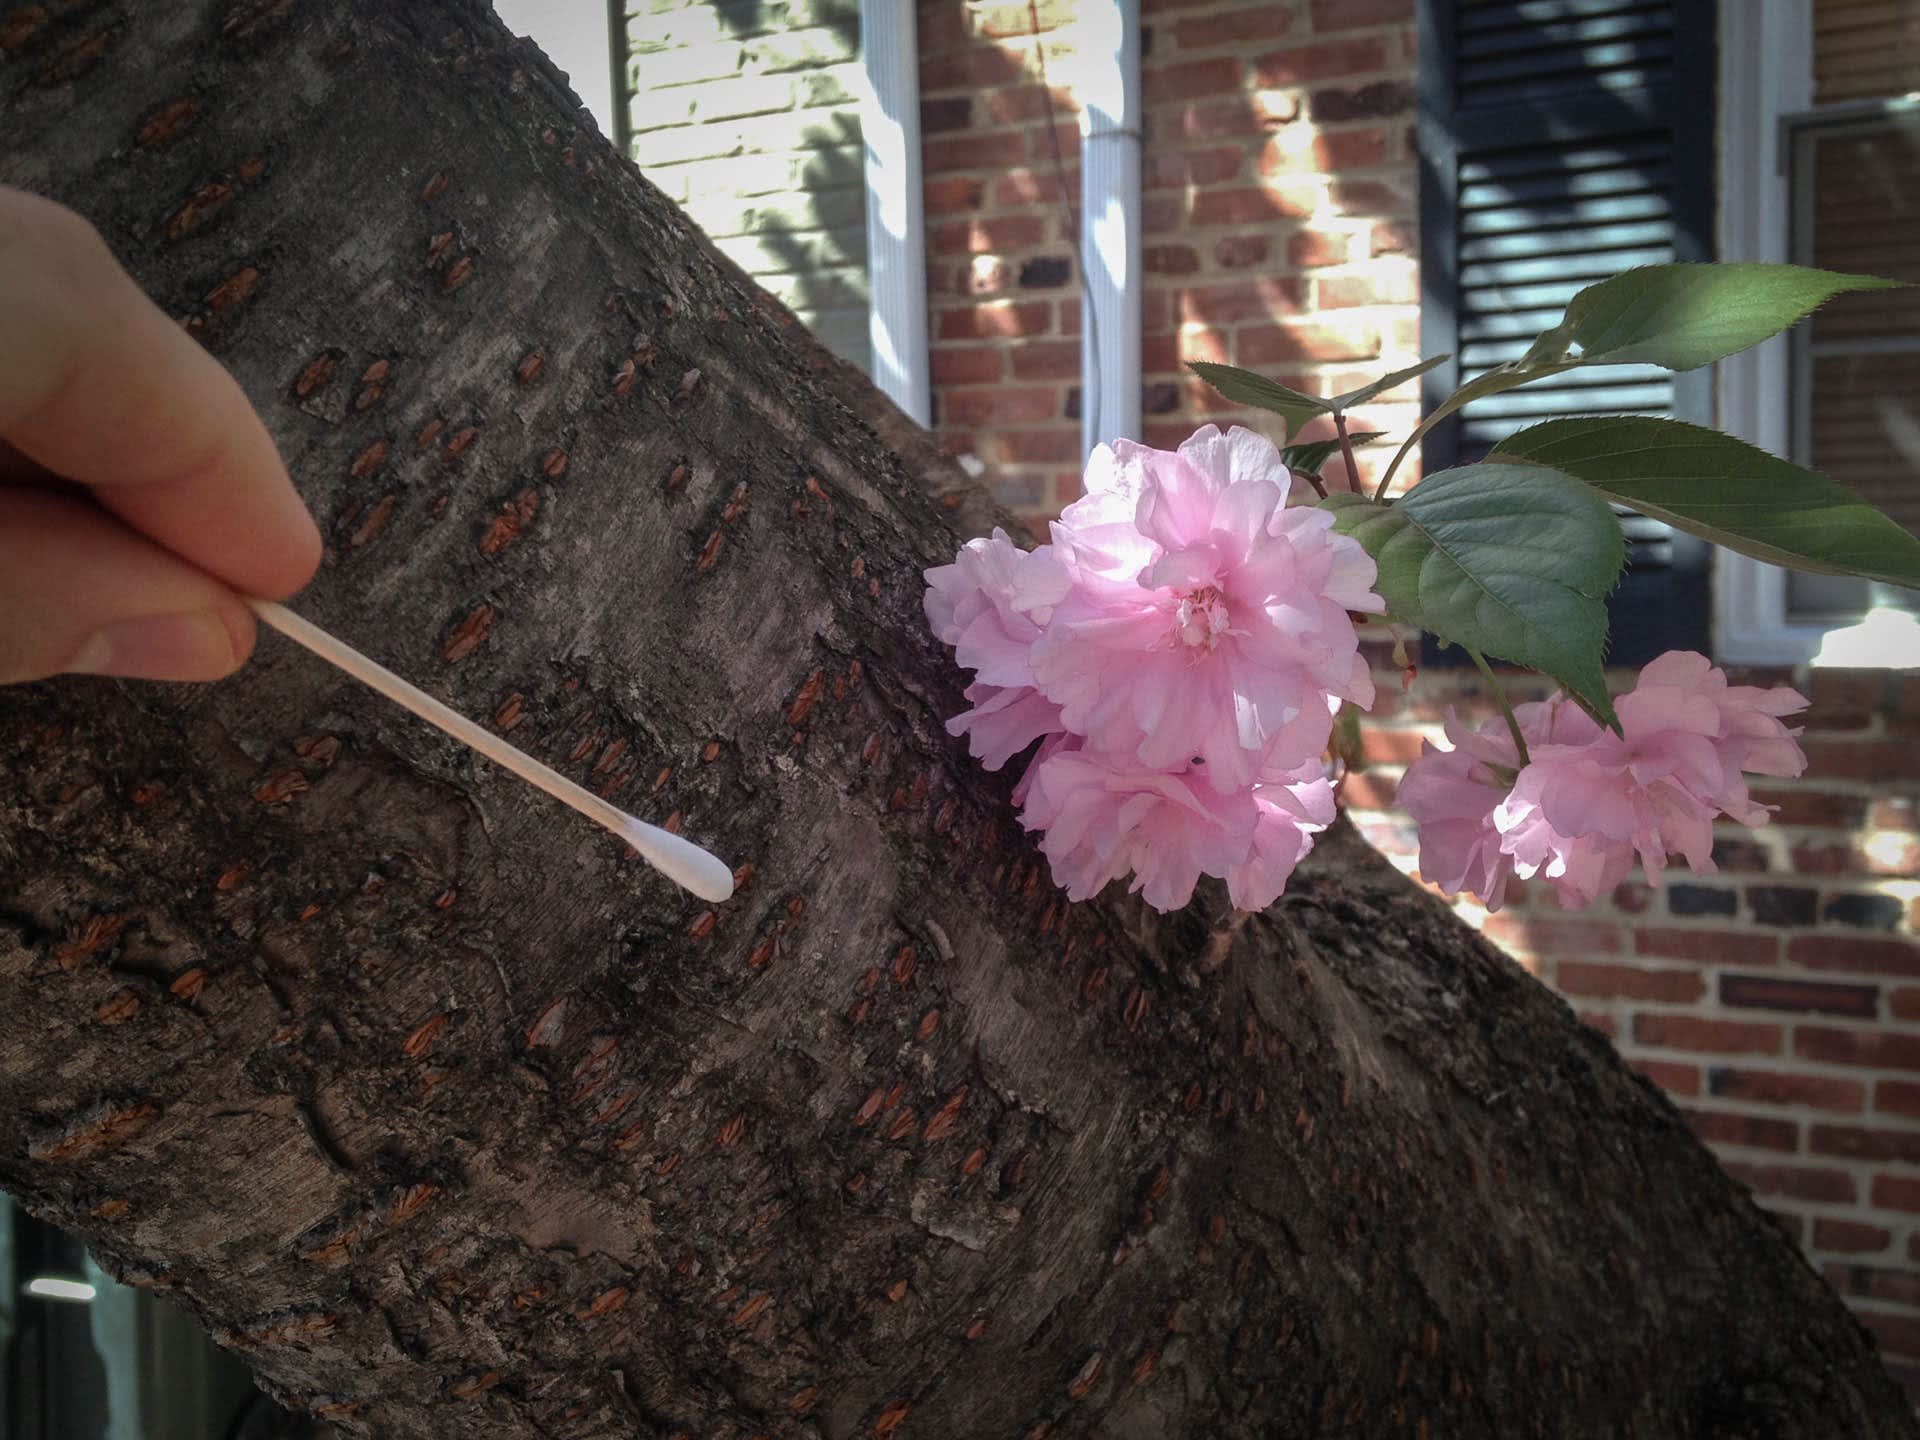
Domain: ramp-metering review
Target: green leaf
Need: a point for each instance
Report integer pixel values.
(1510, 559)
(1310, 456)
(1385, 382)
(1681, 317)
(1296, 407)
(1504, 377)
(1243, 387)
(1724, 490)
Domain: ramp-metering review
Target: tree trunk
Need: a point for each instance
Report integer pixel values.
(454, 1119)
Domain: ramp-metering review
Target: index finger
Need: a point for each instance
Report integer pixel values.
(99, 386)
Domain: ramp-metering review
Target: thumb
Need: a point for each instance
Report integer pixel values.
(82, 593)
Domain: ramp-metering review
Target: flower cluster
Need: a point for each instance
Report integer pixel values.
(1587, 800)
(1180, 650)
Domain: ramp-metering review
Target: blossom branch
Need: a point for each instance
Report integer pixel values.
(1506, 709)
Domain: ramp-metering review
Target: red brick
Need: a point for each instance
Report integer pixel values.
(1896, 1192)
(1220, 120)
(1863, 759)
(968, 365)
(1339, 151)
(953, 194)
(1015, 21)
(1862, 957)
(1016, 104)
(1771, 993)
(1162, 168)
(985, 275)
(1755, 1132)
(1329, 15)
(1307, 248)
(1849, 1237)
(1552, 934)
(1834, 689)
(1772, 1087)
(1190, 80)
(1794, 1181)
(1706, 947)
(1252, 206)
(1627, 982)
(1234, 252)
(1010, 405)
(1390, 746)
(1395, 238)
(1897, 1334)
(1876, 1049)
(1675, 1079)
(1305, 341)
(1037, 447)
(1234, 301)
(1717, 1037)
(1898, 1097)
(971, 68)
(977, 322)
(973, 152)
(1633, 897)
(1310, 63)
(1044, 186)
(1896, 1287)
(1905, 1003)
(1370, 197)
(1857, 1142)
(1603, 1023)
(1798, 806)
(1161, 213)
(1047, 360)
(988, 233)
(1169, 260)
(1259, 22)
(1335, 292)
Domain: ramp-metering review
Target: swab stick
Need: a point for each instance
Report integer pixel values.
(681, 861)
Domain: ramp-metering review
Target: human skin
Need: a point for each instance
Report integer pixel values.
(140, 496)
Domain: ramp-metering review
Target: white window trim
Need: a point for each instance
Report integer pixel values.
(896, 244)
(1766, 74)
(1107, 82)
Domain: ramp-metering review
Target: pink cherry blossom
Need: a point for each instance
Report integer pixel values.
(1101, 821)
(1215, 625)
(989, 605)
(1589, 800)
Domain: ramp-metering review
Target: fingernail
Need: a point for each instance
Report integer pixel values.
(197, 646)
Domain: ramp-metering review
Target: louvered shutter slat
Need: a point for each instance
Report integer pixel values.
(1565, 141)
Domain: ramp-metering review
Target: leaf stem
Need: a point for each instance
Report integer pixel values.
(1506, 709)
(1346, 453)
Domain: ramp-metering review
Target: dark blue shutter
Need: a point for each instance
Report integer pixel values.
(1561, 142)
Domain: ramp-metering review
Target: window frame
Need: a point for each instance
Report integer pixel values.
(1766, 81)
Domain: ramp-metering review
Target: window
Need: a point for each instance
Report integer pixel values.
(1560, 144)
(1820, 165)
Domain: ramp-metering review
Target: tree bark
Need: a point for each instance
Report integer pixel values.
(453, 1118)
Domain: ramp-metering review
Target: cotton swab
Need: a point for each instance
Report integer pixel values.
(681, 861)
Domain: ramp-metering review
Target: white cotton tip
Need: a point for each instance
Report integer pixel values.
(681, 861)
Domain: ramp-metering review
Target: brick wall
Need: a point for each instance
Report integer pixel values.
(746, 113)
(1279, 190)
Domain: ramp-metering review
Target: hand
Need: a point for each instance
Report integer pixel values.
(138, 490)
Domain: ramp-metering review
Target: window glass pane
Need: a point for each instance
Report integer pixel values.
(1857, 363)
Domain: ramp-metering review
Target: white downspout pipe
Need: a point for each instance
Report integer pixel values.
(1110, 221)
(896, 252)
